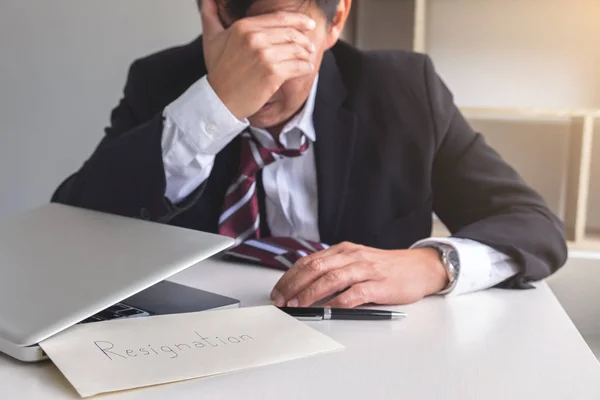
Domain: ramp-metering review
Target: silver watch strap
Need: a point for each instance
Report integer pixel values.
(452, 268)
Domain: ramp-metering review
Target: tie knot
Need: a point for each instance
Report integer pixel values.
(254, 156)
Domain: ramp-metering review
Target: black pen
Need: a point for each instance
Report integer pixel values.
(326, 313)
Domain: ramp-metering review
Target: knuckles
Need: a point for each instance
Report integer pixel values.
(263, 55)
(290, 289)
(309, 296)
(271, 69)
(357, 251)
(343, 302)
(239, 27)
(253, 40)
(361, 294)
(346, 246)
(334, 276)
(315, 265)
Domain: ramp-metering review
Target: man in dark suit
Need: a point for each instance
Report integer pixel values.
(268, 114)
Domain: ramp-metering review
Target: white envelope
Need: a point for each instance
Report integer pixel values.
(116, 355)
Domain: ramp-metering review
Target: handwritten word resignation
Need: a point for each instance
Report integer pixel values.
(173, 351)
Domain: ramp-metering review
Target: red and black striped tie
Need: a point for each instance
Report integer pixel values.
(276, 252)
(240, 218)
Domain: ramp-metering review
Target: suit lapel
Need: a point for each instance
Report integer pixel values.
(335, 128)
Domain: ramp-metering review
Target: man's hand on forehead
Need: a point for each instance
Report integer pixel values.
(250, 60)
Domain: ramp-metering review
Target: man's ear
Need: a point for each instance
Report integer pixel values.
(336, 26)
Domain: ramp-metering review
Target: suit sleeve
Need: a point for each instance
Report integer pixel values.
(480, 197)
(125, 175)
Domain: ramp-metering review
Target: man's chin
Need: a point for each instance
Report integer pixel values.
(265, 121)
(272, 119)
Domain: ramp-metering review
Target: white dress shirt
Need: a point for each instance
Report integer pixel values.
(198, 126)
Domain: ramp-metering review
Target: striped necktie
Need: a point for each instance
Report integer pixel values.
(240, 217)
(276, 252)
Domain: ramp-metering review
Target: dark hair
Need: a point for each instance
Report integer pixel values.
(237, 9)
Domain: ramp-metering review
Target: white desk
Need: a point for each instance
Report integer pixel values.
(489, 345)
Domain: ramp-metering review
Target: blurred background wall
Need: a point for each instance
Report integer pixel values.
(63, 66)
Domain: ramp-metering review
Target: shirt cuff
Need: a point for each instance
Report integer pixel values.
(196, 127)
(481, 267)
(203, 123)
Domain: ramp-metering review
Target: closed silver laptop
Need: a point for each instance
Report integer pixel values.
(61, 265)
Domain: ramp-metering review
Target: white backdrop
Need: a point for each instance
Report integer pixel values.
(63, 66)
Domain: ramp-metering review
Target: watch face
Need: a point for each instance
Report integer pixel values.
(451, 262)
(453, 258)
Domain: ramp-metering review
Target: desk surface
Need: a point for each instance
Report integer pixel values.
(489, 345)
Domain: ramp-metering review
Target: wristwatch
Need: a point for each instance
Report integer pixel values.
(451, 261)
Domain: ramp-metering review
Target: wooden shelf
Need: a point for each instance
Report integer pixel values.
(526, 113)
(581, 125)
(591, 242)
(420, 26)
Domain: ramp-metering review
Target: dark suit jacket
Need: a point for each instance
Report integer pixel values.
(391, 148)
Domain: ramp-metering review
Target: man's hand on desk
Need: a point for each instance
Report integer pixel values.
(250, 60)
(369, 275)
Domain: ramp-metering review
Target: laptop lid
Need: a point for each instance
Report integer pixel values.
(61, 264)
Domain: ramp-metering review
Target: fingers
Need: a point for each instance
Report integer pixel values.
(286, 61)
(291, 69)
(357, 295)
(307, 270)
(283, 52)
(334, 281)
(275, 36)
(337, 249)
(211, 23)
(296, 20)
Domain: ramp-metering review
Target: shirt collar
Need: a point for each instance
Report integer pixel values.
(302, 121)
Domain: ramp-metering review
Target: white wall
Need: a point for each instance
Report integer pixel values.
(522, 53)
(518, 53)
(594, 202)
(62, 69)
